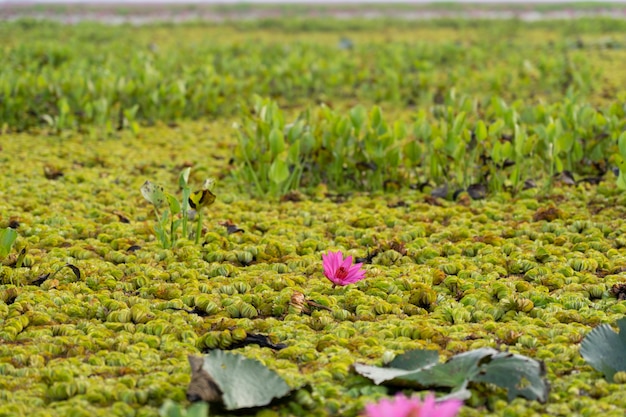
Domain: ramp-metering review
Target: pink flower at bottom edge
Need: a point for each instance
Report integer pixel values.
(402, 406)
(341, 271)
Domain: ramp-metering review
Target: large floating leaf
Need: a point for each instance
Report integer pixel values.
(455, 373)
(520, 375)
(605, 350)
(420, 373)
(240, 382)
(414, 359)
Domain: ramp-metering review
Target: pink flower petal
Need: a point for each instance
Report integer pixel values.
(326, 262)
(356, 267)
(353, 277)
(334, 258)
(401, 406)
(347, 263)
(331, 263)
(337, 258)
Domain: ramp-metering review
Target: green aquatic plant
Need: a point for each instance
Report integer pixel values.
(173, 409)
(354, 151)
(172, 214)
(454, 148)
(269, 153)
(7, 239)
(75, 86)
(621, 160)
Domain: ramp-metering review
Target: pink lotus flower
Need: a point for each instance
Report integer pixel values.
(340, 271)
(402, 406)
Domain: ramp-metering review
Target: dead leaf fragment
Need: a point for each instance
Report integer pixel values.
(51, 172)
(202, 386)
(619, 291)
(549, 213)
(231, 227)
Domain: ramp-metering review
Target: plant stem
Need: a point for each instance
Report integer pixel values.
(157, 215)
(185, 210)
(162, 237)
(257, 183)
(172, 232)
(199, 226)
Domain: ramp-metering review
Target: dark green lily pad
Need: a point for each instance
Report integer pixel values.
(414, 359)
(604, 349)
(521, 376)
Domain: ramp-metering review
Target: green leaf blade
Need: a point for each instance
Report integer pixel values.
(173, 204)
(7, 239)
(455, 374)
(183, 178)
(278, 172)
(481, 131)
(622, 145)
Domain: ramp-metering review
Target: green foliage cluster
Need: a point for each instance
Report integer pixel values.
(359, 151)
(459, 143)
(292, 10)
(121, 77)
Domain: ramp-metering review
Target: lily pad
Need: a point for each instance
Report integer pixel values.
(242, 382)
(414, 359)
(604, 349)
(521, 376)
